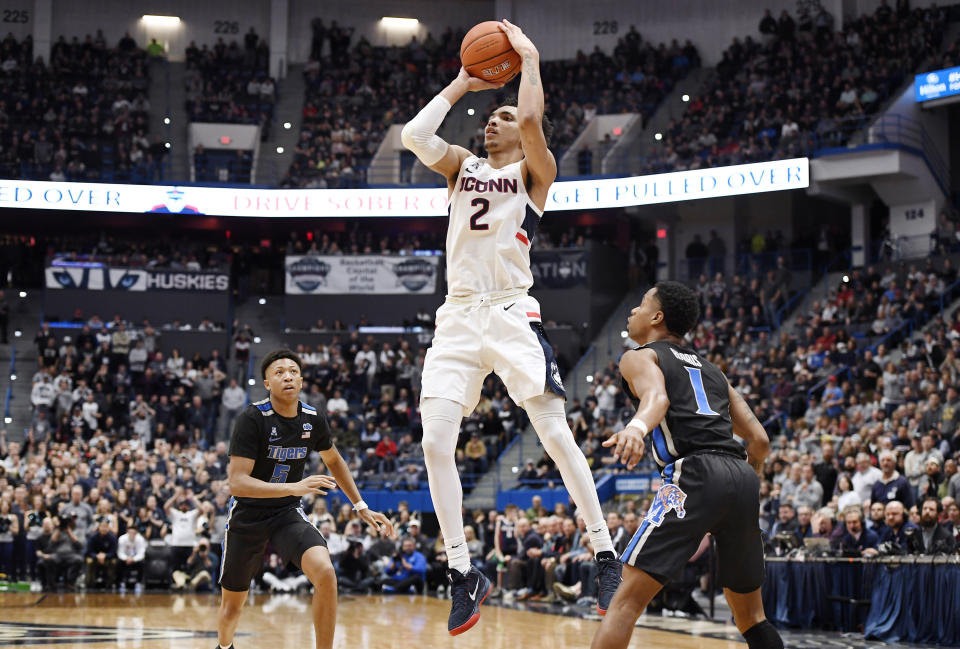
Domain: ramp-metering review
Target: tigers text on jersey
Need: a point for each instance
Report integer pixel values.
(492, 222)
(698, 418)
(278, 445)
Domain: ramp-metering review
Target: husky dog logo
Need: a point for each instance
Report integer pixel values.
(309, 273)
(413, 274)
(555, 373)
(175, 204)
(670, 496)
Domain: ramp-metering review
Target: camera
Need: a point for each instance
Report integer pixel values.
(34, 519)
(4, 524)
(67, 521)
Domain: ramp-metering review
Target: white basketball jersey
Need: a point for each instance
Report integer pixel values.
(492, 222)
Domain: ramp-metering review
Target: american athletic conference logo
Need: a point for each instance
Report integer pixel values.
(309, 273)
(414, 274)
(670, 496)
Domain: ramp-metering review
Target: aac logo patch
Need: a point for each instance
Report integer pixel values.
(670, 496)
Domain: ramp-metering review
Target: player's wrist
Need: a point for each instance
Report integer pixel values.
(639, 424)
(359, 506)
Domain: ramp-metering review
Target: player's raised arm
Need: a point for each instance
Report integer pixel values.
(642, 372)
(747, 426)
(420, 133)
(540, 162)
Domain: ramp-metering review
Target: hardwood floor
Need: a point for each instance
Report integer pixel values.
(173, 621)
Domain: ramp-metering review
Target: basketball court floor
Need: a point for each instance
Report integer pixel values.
(176, 621)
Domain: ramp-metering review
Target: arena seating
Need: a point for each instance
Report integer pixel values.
(81, 116)
(231, 83)
(345, 119)
(797, 90)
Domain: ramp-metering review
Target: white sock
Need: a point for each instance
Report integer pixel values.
(548, 419)
(441, 427)
(600, 537)
(458, 555)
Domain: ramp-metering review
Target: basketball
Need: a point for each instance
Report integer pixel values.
(486, 53)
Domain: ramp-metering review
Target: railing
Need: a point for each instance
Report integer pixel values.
(888, 131)
(589, 356)
(12, 376)
(788, 306)
(798, 261)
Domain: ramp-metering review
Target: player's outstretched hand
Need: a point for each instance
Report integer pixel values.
(629, 446)
(520, 42)
(314, 484)
(475, 84)
(378, 520)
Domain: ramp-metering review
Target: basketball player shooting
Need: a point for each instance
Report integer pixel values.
(488, 322)
(690, 411)
(269, 447)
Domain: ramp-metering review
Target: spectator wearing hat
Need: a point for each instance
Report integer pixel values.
(931, 481)
(891, 486)
(528, 476)
(423, 543)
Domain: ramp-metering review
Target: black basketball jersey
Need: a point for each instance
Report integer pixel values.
(698, 418)
(278, 445)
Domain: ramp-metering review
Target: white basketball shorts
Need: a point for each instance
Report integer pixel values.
(479, 335)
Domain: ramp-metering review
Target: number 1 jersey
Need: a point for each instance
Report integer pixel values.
(492, 223)
(698, 418)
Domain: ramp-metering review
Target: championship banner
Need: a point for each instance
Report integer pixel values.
(97, 277)
(559, 268)
(361, 274)
(775, 175)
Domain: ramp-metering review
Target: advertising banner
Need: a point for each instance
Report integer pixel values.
(934, 85)
(97, 277)
(361, 274)
(776, 175)
(559, 268)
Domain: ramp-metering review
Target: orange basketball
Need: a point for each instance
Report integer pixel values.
(486, 53)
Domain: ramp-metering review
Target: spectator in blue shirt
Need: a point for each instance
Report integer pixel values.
(857, 538)
(891, 485)
(901, 531)
(407, 571)
(833, 398)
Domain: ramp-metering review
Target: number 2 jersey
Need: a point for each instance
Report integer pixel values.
(698, 418)
(492, 223)
(278, 445)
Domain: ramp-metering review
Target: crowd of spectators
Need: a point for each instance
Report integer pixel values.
(231, 82)
(802, 85)
(82, 115)
(355, 93)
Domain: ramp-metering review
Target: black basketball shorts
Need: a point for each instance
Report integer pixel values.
(708, 492)
(245, 538)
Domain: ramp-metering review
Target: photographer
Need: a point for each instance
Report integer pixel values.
(353, 571)
(131, 550)
(9, 528)
(79, 511)
(901, 536)
(199, 568)
(102, 556)
(407, 570)
(61, 555)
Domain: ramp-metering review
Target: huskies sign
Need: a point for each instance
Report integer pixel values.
(373, 274)
(91, 277)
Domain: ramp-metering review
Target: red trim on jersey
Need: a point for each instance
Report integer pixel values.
(522, 238)
(532, 314)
